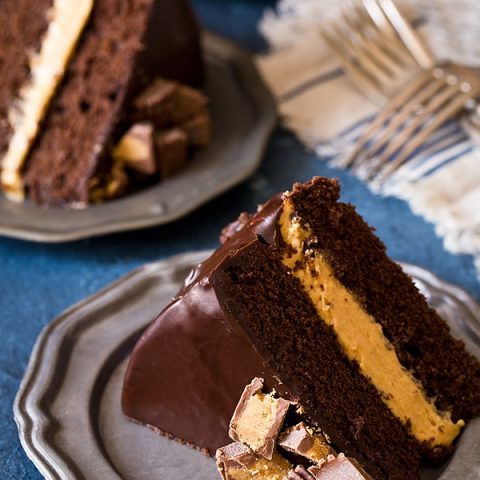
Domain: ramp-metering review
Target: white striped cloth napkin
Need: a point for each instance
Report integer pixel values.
(315, 100)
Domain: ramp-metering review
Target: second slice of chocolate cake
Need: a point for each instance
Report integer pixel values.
(303, 295)
(70, 96)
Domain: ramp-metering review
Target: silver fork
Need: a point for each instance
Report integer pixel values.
(377, 48)
(422, 106)
(383, 56)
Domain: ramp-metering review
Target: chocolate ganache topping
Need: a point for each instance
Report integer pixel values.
(197, 340)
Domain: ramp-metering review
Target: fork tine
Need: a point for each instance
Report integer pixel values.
(390, 43)
(354, 46)
(373, 15)
(409, 91)
(434, 106)
(370, 49)
(362, 80)
(407, 111)
(378, 74)
(410, 38)
(382, 58)
(453, 107)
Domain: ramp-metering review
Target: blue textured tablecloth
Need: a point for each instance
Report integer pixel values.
(37, 282)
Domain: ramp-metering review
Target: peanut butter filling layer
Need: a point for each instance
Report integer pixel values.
(362, 339)
(47, 66)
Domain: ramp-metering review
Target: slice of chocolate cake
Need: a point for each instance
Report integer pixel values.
(73, 70)
(303, 295)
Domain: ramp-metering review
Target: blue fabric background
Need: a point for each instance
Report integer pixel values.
(38, 281)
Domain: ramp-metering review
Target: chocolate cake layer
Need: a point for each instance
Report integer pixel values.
(23, 25)
(413, 328)
(123, 47)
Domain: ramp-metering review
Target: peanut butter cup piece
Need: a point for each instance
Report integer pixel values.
(170, 151)
(304, 441)
(198, 129)
(237, 462)
(136, 149)
(258, 418)
(339, 468)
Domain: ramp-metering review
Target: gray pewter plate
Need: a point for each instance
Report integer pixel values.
(243, 116)
(68, 406)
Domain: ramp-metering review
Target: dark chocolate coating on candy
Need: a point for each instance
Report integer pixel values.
(171, 151)
(299, 473)
(156, 102)
(296, 439)
(198, 129)
(235, 455)
(271, 415)
(168, 103)
(340, 468)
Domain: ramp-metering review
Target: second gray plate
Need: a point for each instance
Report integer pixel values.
(243, 116)
(68, 407)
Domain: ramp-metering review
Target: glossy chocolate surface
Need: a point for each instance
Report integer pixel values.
(199, 342)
